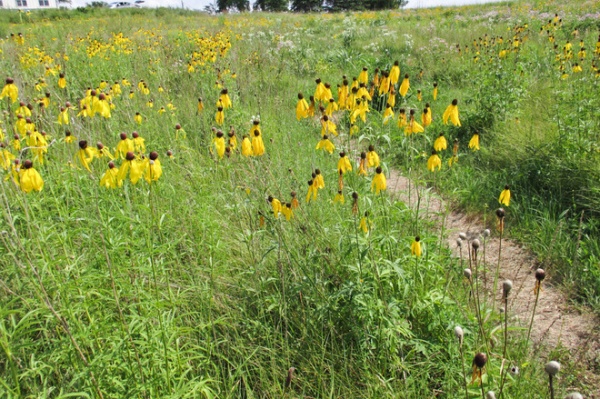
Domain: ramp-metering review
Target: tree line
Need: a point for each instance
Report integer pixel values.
(306, 5)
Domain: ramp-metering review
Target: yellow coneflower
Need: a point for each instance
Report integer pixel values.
(504, 198)
(451, 113)
(10, 90)
(29, 178)
(258, 146)
(404, 86)
(219, 143)
(362, 166)
(344, 164)
(440, 143)
(402, 118)
(301, 107)
(395, 73)
(474, 142)
(62, 81)
(372, 157)
(325, 144)
(434, 162)
(435, 91)
(219, 116)
(246, 146)
(379, 182)
(275, 205)
(415, 247)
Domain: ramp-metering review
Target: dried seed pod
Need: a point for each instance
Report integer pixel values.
(458, 242)
(486, 234)
(540, 274)
(475, 244)
(500, 213)
(490, 395)
(462, 236)
(467, 273)
(552, 368)
(480, 360)
(506, 287)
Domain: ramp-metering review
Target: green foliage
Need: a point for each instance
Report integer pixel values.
(271, 5)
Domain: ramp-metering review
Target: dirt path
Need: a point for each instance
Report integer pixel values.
(556, 322)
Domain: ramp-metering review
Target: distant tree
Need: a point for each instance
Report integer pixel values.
(356, 5)
(271, 5)
(307, 5)
(212, 8)
(97, 4)
(239, 5)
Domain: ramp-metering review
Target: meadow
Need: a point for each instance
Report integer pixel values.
(219, 253)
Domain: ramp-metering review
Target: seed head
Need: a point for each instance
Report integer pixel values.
(574, 395)
(500, 213)
(506, 287)
(154, 155)
(355, 195)
(490, 395)
(475, 244)
(123, 136)
(27, 164)
(540, 274)
(552, 368)
(459, 333)
(130, 156)
(486, 233)
(458, 242)
(111, 165)
(83, 144)
(467, 273)
(480, 360)
(462, 236)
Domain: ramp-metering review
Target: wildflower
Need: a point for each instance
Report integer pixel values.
(474, 142)
(327, 126)
(200, 106)
(29, 178)
(85, 155)
(354, 203)
(395, 73)
(325, 144)
(435, 91)
(434, 162)
(415, 247)
(312, 191)
(179, 132)
(219, 143)
(363, 76)
(363, 93)
(150, 104)
(102, 107)
(479, 362)
(130, 166)
(125, 145)
(62, 81)
(339, 198)
(404, 86)
(102, 151)
(391, 101)
(344, 164)
(232, 139)
(138, 143)
(6, 157)
(10, 90)
(454, 158)
(362, 166)
(402, 122)
(109, 178)
(320, 91)
(23, 110)
(318, 179)
(311, 107)
(419, 95)
(294, 202)
(287, 211)
(301, 107)
(540, 275)
(379, 183)
(364, 223)
(504, 198)
(353, 129)
(385, 84)
(246, 146)
(451, 113)
(361, 110)
(276, 205)
(69, 138)
(63, 116)
(219, 116)
(331, 107)
(426, 116)
(372, 157)
(16, 142)
(138, 118)
(116, 89)
(577, 68)
(387, 115)
(413, 126)
(440, 144)
(342, 95)
(258, 147)
(225, 99)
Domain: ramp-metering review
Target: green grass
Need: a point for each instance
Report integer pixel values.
(177, 290)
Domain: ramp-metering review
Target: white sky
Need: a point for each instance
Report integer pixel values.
(200, 4)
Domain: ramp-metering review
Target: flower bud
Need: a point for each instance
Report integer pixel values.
(467, 273)
(154, 155)
(500, 213)
(552, 368)
(486, 234)
(130, 156)
(459, 333)
(458, 242)
(123, 136)
(475, 244)
(462, 236)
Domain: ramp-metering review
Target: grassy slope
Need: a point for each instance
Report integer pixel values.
(176, 291)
